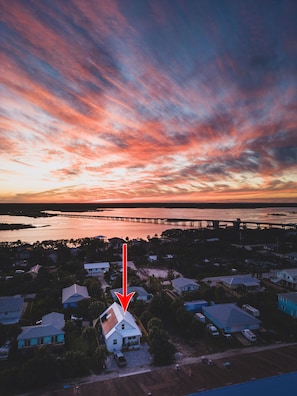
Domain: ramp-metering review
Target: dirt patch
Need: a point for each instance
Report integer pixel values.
(185, 350)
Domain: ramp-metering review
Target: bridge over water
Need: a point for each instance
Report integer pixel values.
(191, 223)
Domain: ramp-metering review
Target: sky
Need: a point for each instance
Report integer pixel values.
(148, 100)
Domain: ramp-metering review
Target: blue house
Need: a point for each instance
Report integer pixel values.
(287, 302)
(11, 309)
(49, 332)
(73, 294)
(140, 293)
(230, 318)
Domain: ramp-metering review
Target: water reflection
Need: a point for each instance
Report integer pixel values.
(78, 227)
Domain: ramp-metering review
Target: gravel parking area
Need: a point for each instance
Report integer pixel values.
(139, 358)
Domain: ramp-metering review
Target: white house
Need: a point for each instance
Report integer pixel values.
(184, 285)
(119, 329)
(95, 269)
(288, 277)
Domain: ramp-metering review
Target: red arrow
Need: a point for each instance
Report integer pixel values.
(124, 298)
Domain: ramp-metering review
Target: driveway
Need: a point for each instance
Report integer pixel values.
(139, 358)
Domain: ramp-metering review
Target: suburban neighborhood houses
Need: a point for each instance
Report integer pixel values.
(195, 291)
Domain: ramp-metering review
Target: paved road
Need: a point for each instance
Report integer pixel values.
(133, 369)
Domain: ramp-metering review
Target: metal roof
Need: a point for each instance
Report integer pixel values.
(113, 316)
(29, 332)
(55, 319)
(11, 304)
(73, 293)
(229, 315)
(181, 282)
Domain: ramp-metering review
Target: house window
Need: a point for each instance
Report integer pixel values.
(115, 342)
(123, 326)
(27, 343)
(40, 341)
(54, 339)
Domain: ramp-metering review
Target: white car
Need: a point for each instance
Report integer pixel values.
(212, 330)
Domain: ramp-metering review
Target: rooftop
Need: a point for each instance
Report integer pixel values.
(230, 315)
(181, 282)
(74, 290)
(11, 304)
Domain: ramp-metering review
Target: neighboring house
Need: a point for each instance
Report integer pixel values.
(247, 282)
(230, 318)
(287, 278)
(287, 302)
(96, 269)
(140, 293)
(54, 318)
(49, 332)
(184, 285)
(11, 309)
(73, 294)
(119, 329)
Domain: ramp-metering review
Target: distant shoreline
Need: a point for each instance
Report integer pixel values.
(18, 208)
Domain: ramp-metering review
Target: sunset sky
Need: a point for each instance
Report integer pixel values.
(148, 100)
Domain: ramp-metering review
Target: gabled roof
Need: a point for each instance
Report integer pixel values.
(292, 296)
(72, 292)
(230, 315)
(11, 304)
(182, 282)
(114, 315)
(54, 319)
(38, 331)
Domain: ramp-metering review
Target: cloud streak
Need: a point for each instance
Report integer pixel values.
(148, 101)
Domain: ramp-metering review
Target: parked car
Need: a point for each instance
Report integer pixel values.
(212, 330)
(120, 359)
(249, 335)
(228, 336)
